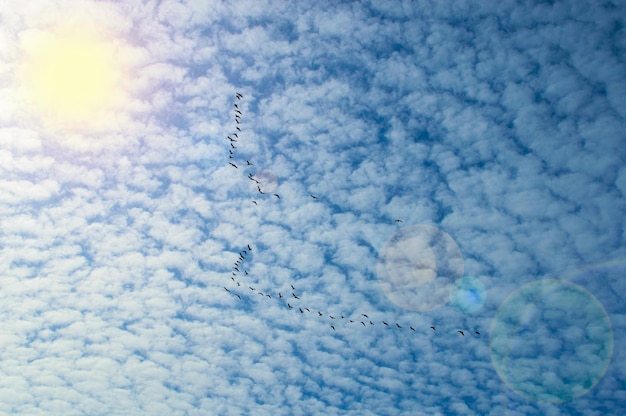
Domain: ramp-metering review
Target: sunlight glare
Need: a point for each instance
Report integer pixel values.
(69, 75)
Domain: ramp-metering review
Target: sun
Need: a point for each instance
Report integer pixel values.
(69, 76)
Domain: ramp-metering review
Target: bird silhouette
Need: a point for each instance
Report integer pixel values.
(461, 332)
(289, 305)
(412, 329)
(313, 196)
(399, 221)
(365, 315)
(332, 327)
(226, 290)
(232, 164)
(248, 163)
(432, 327)
(277, 196)
(254, 202)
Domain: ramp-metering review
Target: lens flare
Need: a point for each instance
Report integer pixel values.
(551, 341)
(417, 266)
(468, 294)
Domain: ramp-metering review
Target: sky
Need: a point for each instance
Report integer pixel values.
(312, 208)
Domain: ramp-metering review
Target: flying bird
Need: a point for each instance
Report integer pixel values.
(294, 295)
(233, 146)
(238, 296)
(332, 326)
(319, 313)
(412, 329)
(292, 287)
(477, 333)
(385, 323)
(249, 248)
(239, 96)
(277, 196)
(232, 164)
(254, 202)
(289, 305)
(260, 191)
(432, 327)
(461, 332)
(365, 315)
(399, 221)
(248, 163)
(398, 325)
(226, 290)
(331, 317)
(313, 196)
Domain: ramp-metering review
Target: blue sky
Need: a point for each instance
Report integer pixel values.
(448, 164)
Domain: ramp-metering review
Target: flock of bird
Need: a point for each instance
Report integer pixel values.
(288, 296)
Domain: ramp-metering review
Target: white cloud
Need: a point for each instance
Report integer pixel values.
(500, 124)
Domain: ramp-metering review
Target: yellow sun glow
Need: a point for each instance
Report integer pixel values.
(69, 77)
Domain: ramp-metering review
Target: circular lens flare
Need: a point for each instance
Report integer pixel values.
(551, 341)
(417, 266)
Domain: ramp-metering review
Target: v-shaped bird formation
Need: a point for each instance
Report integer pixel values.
(241, 284)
